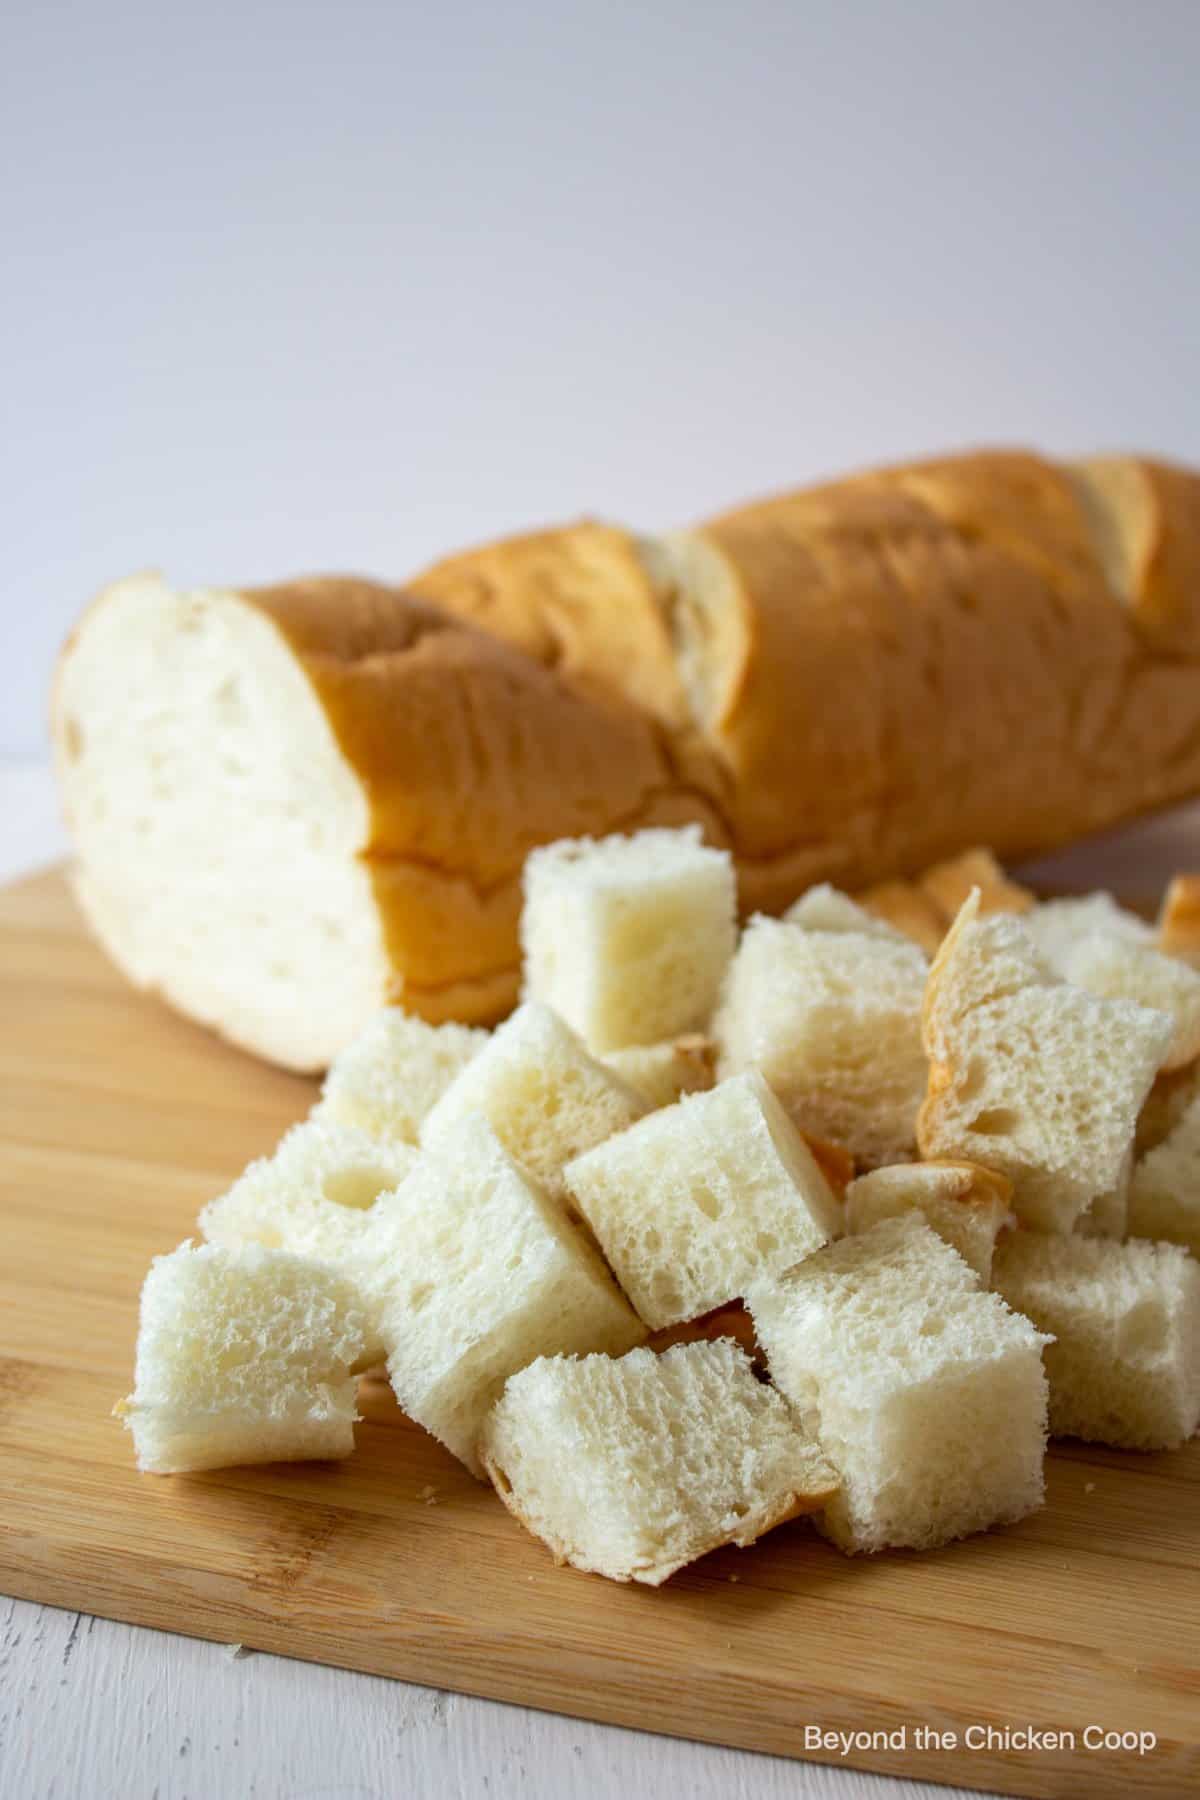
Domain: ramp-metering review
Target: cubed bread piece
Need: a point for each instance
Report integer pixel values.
(473, 1272)
(311, 1195)
(632, 1467)
(1029, 1075)
(926, 1393)
(826, 908)
(904, 905)
(543, 1095)
(394, 1072)
(661, 1073)
(1124, 1360)
(1056, 926)
(1165, 1105)
(1179, 921)
(628, 938)
(244, 1356)
(948, 884)
(967, 1206)
(1164, 1195)
(693, 1202)
(1119, 969)
(832, 1020)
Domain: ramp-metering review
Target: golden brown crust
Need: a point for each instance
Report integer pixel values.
(1146, 519)
(885, 668)
(981, 1186)
(933, 657)
(948, 884)
(470, 753)
(1179, 922)
(581, 600)
(834, 1161)
(904, 905)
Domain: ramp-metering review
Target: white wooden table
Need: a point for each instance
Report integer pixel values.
(91, 1710)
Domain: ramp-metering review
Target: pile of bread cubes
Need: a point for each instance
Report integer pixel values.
(842, 1216)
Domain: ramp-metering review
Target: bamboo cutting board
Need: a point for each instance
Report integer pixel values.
(117, 1120)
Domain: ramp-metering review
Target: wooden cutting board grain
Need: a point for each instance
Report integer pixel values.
(117, 1120)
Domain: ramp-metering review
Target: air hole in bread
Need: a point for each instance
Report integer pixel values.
(995, 1121)
(707, 1203)
(356, 1188)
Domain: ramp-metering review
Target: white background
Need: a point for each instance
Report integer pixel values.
(290, 287)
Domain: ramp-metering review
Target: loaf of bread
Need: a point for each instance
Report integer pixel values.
(292, 805)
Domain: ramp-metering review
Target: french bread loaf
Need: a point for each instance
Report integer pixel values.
(293, 804)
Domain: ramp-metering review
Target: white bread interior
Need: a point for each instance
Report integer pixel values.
(663, 1073)
(902, 1366)
(695, 1200)
(1121, 969)
(1057, 926)
(826, 908)
(471, 1272)
(312, 1194)
(217, 823)
(1123, 1356)
(243, 1356)
(1164, 1194)
(1029, 1075)
(545, 1097)
(394, 1072)
(628, 938)
(966, 1205)
(832, 1020)
(632, 1467)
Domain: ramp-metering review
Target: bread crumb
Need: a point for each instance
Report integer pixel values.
(429, 1495)
(1089, 1487)
(235, 1652)
(735, 1578)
